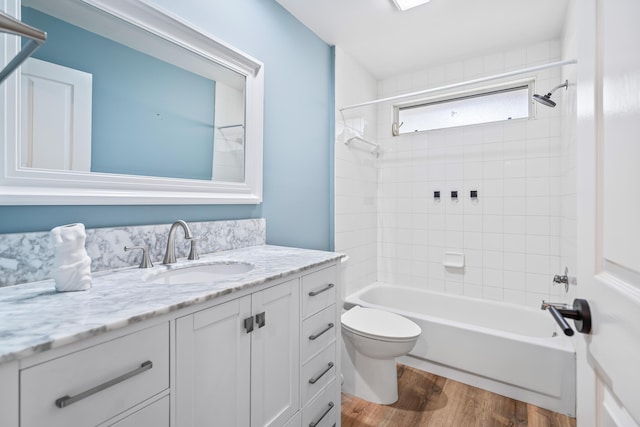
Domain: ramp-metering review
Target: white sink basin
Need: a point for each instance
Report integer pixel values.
(203, 273)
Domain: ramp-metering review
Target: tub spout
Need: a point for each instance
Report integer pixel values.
(579, 312)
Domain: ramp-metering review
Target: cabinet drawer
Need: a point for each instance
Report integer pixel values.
(323, 410)
(101, 381)
(155, 414)
(318, 290)
(318, 372)
(318, 331)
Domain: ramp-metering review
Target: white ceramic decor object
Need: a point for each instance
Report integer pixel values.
(72, 265)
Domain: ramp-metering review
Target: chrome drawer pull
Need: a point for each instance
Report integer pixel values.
(68, 400)
(315, 423)
(314, 293)
(315, 380)
(316, 336)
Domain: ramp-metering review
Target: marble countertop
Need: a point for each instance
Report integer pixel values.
(34, 317)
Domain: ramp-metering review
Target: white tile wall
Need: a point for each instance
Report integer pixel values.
(356, 176)
(515, 237)
(511, 249)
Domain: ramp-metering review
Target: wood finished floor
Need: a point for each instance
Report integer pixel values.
(429, 400)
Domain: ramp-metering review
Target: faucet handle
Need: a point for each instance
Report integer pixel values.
(193, 252)
(146, 261)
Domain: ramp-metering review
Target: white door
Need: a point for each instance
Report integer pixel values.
(56, 117)
(275, 355)
(608, 146)
(213, 367)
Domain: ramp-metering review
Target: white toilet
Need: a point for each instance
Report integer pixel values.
(372, 340)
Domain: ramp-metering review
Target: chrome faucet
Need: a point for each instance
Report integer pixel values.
(170, 254)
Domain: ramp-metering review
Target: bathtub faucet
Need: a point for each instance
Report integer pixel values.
(579, 312)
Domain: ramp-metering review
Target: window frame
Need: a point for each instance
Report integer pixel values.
(476, 92)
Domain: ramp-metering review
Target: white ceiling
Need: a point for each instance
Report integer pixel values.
(386, 41)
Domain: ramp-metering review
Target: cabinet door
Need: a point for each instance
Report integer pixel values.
(213, 353)
(275, 363)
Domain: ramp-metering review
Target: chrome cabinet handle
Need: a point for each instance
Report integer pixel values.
(315, 380)
(65, 401)
(314, 293)
(316, 422)
(316, 336)
(261, 319)
(248, 324)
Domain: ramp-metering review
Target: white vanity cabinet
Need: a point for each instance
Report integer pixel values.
(237, 363)
(263, 356)
(320, 361)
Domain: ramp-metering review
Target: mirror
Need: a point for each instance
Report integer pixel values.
(128, 104)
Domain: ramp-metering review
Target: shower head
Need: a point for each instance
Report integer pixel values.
(546, 99)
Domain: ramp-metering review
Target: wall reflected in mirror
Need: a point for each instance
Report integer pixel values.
(92, 104)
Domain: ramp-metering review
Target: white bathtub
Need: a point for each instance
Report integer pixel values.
(508, 349)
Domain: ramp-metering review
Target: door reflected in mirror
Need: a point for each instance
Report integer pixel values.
(90, 103)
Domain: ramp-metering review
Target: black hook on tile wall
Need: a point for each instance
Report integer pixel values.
(436, 196)
(454, 195)
(474, 194)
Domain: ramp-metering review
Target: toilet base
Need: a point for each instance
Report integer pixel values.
(374, 380)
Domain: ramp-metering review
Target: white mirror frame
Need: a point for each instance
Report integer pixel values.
(24, 186)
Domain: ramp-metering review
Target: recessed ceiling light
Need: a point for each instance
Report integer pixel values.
(408, 4)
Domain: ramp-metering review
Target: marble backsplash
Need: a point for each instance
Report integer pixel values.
(28, 257)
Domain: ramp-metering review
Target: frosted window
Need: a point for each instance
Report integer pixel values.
(483, 108)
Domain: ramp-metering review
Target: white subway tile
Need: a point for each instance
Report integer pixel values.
(473, 240)
(515, 261)
(454, 239)
(436, 270)
(514, 224)
(539, 225)
(493, 205)
(473, 275)
(515, 130)
(538, 245)
(515, 205)
(492, 293)
(515, 243)
(538, 264)
(473, 170)
(493, 170)
(514, 150)
(472, 290)
(493, 223)
(539, 167)
(473, 257)
(493, 241)
(493, 277)
(514, 297)
(514, 168)
(454, 222)
(515, 280)
(473, 223)
(494, 260)
(456, 288)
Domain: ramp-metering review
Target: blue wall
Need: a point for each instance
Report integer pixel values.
(149, 117)
(297, 136)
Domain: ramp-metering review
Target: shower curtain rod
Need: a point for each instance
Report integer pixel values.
(465, 83)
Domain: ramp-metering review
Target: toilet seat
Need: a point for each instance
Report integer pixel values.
(379, 325)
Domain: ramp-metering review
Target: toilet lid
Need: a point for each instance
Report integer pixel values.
(379, 323)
